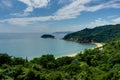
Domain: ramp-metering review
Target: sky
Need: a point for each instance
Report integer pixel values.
(18, 16)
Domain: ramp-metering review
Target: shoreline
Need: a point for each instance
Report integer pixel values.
(98, 45)
(72, 55)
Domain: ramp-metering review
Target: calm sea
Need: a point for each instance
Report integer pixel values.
(31, 45)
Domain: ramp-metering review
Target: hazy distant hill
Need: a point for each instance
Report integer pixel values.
(66, 32)
(97, 34)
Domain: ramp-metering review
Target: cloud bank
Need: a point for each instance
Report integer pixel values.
(117, 20)
(70, 11)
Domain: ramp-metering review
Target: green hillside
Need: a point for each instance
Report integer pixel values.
(93, 64)
(97, 34)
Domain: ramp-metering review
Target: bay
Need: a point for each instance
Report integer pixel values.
(30, 45)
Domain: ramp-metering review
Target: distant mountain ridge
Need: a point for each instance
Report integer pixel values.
(97, 34)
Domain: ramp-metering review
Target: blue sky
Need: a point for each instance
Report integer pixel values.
(57, 15)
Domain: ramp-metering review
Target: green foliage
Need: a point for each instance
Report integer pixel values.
(56, 75)
(46, 61)
(97, 34)
(18, 61)
(115, 58)
(63, 61)
(5, 59)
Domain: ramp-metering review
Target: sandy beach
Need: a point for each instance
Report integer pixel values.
(97, 46)
(72, 55)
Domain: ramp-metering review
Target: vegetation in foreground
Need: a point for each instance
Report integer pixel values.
(97, 64)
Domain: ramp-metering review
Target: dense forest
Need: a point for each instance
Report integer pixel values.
(92, 64)
(97, 34)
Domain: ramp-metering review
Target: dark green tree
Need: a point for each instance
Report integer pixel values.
(18, 61)
(5, 59)
(64, 61)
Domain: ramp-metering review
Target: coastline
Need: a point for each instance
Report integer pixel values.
(72, 55)
(98, 45)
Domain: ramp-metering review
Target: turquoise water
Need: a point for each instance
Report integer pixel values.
(31, 45)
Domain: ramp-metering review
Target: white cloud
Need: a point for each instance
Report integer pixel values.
(69, 11)
(31, 4)
(117, 20)
(20, 14)
(98, 22)
(109, 4)
(69, 28)
(26, 21)
(77, 6)
(72, 10)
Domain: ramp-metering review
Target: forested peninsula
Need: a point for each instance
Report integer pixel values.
(97, 34)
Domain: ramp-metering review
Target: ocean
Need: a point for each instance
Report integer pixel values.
(30, 45)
